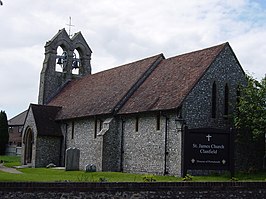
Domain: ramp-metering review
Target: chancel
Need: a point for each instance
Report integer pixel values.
(133, 117)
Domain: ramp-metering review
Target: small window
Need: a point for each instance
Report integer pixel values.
(95, 128)
(214, 96)
(158, 122)
(72, 130)
(226, 100)
(137, 124)
(10, 130)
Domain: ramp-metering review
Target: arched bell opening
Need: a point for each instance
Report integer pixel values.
(61, 59)
(76, 63)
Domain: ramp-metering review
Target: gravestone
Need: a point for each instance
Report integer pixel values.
(90, 168)
(72, 159)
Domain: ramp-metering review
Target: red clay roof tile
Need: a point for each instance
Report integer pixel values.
(165, 88)
(171, 81)
(99, 93)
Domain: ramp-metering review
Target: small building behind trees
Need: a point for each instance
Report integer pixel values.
(15, 127)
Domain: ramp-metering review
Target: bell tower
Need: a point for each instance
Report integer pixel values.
(61, 67)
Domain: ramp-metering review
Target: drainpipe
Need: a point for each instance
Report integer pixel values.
(165, 144)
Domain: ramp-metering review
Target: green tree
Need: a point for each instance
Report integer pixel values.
(250, 121)
(251, 110)
(4, 136)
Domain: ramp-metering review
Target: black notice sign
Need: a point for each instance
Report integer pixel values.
(207, 149)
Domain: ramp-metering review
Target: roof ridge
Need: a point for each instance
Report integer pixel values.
(45, 105)
(23, 112)
(196, 51)
(122, 65)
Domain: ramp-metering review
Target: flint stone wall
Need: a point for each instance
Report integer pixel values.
(152, 150)
(169, 190)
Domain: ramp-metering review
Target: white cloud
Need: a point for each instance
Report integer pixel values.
(121, 31)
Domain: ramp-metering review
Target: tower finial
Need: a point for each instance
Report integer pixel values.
(69, 27)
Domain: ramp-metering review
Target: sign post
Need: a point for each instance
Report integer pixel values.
(208, 149)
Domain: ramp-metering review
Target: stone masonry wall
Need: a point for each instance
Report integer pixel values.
(200, 190)
(197, 105)
(143, 149)
(174, 146)
(150, 150)
(47, 151)
(83, 139)
(111, 149)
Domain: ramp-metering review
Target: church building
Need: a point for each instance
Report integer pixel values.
(130, 118)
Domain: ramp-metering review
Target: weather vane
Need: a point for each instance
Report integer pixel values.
(69, 26)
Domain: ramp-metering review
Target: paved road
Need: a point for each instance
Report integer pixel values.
(9, 170)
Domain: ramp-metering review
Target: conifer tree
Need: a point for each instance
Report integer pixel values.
(4, 136)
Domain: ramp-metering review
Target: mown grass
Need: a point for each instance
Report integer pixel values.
(55, 175)
(10, 161)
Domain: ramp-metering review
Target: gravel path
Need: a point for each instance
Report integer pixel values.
(9, 170)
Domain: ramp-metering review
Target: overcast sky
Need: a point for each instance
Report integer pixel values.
(121, 31)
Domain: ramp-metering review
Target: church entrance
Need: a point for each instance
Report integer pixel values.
(28, 146)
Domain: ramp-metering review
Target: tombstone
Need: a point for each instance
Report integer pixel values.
(51, 165)
(72, 159)
(90, 168)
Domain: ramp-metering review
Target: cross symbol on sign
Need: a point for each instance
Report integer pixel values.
(208, 137)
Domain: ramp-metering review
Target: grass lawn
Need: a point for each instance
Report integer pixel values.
(10, 161)
(54, 175)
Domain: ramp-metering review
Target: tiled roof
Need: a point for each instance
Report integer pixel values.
(18, 120)
(165, 88)
(45, 120)
(100, 93)
(171, 81)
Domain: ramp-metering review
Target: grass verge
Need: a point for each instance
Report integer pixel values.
(55, 175)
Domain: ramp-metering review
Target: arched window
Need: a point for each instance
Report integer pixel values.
(214, 99)
(226, 100)
(59, 62)
(76, 62)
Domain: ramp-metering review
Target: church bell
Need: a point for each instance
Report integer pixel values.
(75, 64)
(60, 61)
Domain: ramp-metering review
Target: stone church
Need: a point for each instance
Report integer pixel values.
(129, 118)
